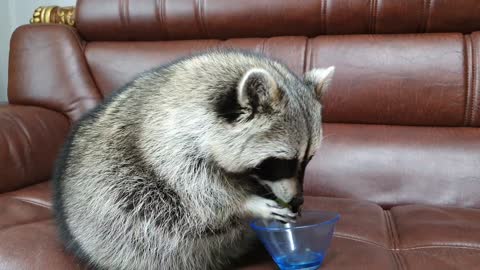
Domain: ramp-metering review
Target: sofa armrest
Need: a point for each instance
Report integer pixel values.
(30, 138)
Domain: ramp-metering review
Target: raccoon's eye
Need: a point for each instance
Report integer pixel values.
(275, 169)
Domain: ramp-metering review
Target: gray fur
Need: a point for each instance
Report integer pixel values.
(156, 178)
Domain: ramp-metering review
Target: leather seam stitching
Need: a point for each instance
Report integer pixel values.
(121, 8)
(390, 229)
(394, 230)
(468, 80)
(95, 84)
(324, 17)
(391, 238)
(310, 58)
(120, 11)
(474, 84)
(401, 260)
(427, 15)
(127, 11)
(160, 16)
(262, 49)
(83, 48)
(92, 78)
(196, 13)
(419, 21)
(373, 11)
(353, 238)
(376, 15)
(473, 247)
(305, 54)
(370, 3)
(199, 16)
(157, 10)
(396, 259)
(164, 18)
(203, 17)
(76, 36)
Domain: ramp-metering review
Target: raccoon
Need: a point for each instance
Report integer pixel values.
(167, 171)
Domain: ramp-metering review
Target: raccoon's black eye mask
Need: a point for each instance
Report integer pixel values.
(272, 169)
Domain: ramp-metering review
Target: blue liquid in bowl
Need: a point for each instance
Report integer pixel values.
(304, 260)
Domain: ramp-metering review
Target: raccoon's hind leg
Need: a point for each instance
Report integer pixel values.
(257, 206)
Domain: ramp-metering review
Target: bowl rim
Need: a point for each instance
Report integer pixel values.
(333, 220)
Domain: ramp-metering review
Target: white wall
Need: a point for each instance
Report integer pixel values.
(14, 13)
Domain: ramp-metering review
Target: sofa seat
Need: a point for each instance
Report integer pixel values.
(403, 237)
(27, 232)
(367, 236)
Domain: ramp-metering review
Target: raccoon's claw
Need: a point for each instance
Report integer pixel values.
(269, 209)
(284, 215)
(284, 219)
(276, 206)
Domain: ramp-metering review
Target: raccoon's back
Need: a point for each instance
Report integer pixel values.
(100, 147)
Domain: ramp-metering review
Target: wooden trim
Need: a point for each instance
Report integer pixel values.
(54, 14)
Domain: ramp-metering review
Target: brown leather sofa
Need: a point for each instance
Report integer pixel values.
(401, 155)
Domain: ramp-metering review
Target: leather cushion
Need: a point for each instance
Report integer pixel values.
(47, 68)
(27, 232)
(412, 236)
(367, 237)
(395, 165)
(416, 80)
(110, 20)
(30, 138)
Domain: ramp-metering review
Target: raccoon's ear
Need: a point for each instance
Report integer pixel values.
(319, 79)
(257, 87)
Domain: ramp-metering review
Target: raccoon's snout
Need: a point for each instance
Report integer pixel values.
(285, 189)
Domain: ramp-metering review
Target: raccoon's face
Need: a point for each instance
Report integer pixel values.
(270, 128)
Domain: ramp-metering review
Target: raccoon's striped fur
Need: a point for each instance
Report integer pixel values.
(164, 174)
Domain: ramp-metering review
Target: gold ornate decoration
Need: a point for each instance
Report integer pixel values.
(54, 14)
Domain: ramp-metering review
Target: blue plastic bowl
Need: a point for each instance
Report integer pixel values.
(300, 245)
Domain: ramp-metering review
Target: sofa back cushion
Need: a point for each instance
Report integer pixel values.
(401, 116)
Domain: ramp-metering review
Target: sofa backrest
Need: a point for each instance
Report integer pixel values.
(401, 117)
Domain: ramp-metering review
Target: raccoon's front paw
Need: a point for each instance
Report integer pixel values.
(269, 209)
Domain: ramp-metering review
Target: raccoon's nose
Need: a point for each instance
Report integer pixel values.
(296, 202)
